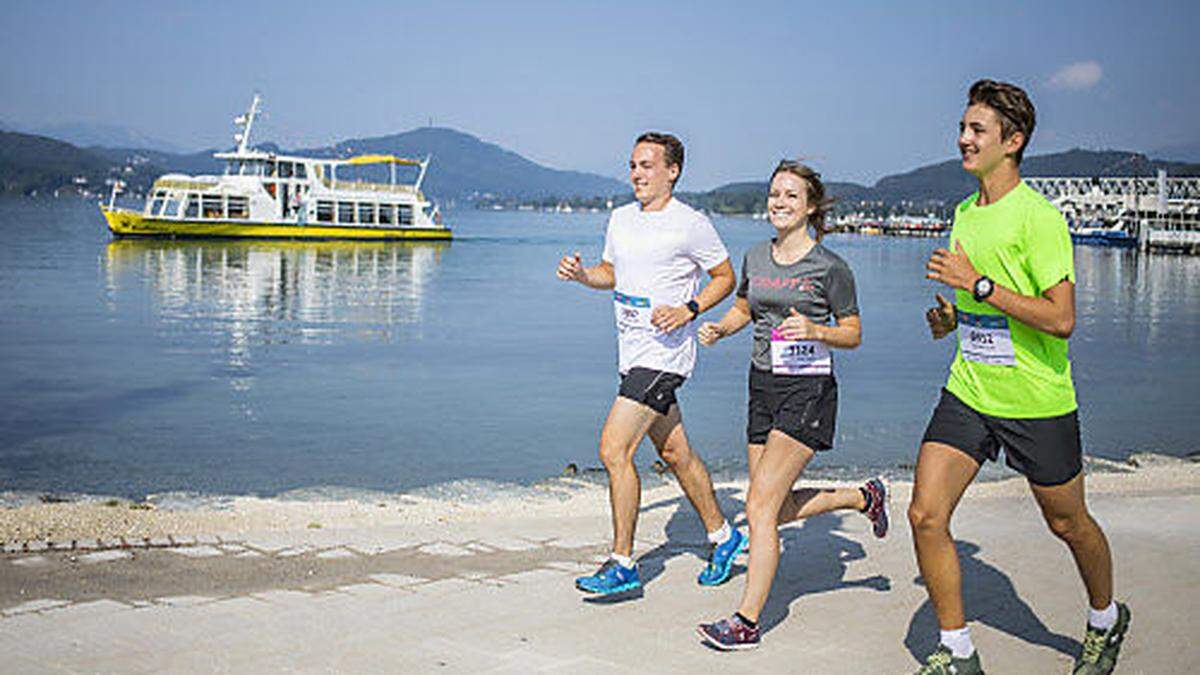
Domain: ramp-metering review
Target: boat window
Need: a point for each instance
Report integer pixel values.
(270, 168)
(386, 213)
(285, 169)
(156, 206)
(212, 207)
(239, 207)
(406, 215)
(366, 213)
(325, 211)
(233, 168)
(345, 212)
(172, 208)
(193, 206)
(251, 168)
(300, 171)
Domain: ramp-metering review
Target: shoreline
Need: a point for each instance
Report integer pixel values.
(95, 523)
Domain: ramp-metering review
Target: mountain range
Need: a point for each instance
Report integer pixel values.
(467, 169)
(946, 183)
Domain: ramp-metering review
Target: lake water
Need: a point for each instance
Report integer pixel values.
(137, 367)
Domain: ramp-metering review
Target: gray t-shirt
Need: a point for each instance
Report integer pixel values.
(820, 285)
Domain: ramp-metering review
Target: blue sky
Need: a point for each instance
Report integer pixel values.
(861, 89)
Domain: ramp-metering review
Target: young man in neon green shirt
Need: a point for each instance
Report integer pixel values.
(1011, 267)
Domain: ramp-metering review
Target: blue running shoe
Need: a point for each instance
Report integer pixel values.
(610, 578)
(721, 561)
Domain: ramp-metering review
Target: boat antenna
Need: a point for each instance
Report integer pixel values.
(245, 122)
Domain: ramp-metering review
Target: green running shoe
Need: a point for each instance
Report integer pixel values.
(1101, 647)
(942, 662)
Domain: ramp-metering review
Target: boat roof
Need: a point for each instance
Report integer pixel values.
(356, 160)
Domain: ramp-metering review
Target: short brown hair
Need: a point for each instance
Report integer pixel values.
(815, 195)
(1013, 106)
(672, 147)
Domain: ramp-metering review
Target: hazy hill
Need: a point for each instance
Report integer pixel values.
(946, 182)
(29, 162)
(191, 163)
(751, 196)
(1180, 152)
(463, 166)
(85, 134)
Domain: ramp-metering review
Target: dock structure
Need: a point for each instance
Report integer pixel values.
(1162, 212)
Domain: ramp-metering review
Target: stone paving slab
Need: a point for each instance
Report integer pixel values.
(104, 556)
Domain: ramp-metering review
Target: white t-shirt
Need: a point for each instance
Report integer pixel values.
(658, 258)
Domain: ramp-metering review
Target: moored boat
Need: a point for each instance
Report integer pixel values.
(1098, 233)
(269, 195)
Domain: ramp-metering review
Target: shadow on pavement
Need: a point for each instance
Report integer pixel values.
(814, 560)
(990, 598)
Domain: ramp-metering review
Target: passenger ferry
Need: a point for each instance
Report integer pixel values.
(268, 195)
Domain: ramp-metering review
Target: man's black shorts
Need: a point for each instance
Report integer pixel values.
(802, 406)
(1046, 450)
(654, 388)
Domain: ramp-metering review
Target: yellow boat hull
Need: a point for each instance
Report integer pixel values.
(123, 223)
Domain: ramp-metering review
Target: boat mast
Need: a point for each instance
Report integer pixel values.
(246, 121)
(424, 168)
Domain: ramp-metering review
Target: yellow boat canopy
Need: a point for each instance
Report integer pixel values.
(381, 159)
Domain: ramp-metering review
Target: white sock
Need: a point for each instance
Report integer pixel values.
(622, 560)
(1103, 618)
(959, 642)
(721, 535)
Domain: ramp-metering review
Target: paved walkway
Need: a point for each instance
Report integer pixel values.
(497, 597)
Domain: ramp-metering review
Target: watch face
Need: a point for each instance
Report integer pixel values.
(983, 287)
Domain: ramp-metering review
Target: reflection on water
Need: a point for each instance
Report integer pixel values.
(308, 288)
(260, 292)
(1139, 296)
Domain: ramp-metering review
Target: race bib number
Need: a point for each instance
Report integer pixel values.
(799, 357)
(633, 312)
(984, 338)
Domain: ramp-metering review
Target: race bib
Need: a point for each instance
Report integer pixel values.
(984, 338)
(633, 312)
(799, 357)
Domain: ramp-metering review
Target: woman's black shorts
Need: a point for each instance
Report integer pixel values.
(802, 406)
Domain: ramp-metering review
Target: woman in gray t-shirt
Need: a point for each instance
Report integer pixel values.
(800, 297)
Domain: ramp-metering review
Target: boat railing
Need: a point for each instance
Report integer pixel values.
(183, 184)
(363, 186)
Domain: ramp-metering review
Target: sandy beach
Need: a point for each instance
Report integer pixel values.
(419, 584)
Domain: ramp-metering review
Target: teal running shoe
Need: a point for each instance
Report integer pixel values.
(609, 579)
(1101, 647)
(721, 561)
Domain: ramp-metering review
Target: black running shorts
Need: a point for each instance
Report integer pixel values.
(802, 406)
(654, 388)
(1046, 450)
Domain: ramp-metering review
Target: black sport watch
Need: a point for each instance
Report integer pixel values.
(693, 307)
(983, 289)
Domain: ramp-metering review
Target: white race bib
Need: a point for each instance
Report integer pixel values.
(984, 338)
(799, 357)
(633, 312)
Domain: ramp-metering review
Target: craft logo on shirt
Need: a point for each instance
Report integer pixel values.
(788, 283)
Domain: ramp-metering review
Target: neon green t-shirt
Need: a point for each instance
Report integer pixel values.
(1021, 242)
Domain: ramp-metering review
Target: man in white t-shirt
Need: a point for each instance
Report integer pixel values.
(656, 252)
